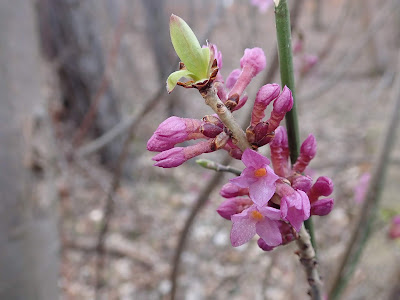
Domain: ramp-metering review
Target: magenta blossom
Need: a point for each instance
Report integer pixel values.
(257, 176)
(261, 220)
(233, 206)
(295, 208)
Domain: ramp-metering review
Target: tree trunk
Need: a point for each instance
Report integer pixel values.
(70, 42)
(28, 231)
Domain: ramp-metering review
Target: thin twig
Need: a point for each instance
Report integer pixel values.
(362, 231)
(212, 165)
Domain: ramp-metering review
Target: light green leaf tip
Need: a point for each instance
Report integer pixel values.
(173, 78)
(188, 48)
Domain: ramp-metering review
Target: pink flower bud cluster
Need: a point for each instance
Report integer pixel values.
(273, 203)
(176, 130)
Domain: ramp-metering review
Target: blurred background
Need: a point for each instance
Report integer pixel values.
(86, 215)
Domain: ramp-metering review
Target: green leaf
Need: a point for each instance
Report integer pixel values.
(207, 62)
(188, 47)
(173, 78)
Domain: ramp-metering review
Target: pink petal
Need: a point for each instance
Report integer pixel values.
(269, 231)
(251, 158)
(270, 212)
(261, 191)
(242, 230)
(245, 179)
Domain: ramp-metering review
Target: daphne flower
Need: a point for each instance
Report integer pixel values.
(173, 131)
(257, 176)
(261, 220)
(233, 206)
(295, 208)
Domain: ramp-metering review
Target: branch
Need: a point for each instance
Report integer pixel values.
(309, 261)
(212, 165)
(211, 98)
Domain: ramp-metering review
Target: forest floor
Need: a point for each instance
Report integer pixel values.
(152, 204)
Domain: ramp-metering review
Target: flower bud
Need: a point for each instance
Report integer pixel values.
(263, 245)
(307, 152)
(210, 130)
(172, 131)
(232, 78)
(170, 158)
(230, 190)
(233, 206)
(322, 207)
(280, 152)
(253, 59)
(322, 187)
(301, 182)
(252, 63)
(265, 95)
(176, 156)
(282, 105)
(213, 119)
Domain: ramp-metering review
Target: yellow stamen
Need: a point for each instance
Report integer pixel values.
(256, 215)
(260, 172)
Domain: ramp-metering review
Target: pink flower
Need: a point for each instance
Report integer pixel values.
(295, 208)
(280, 152)
(233, 206)
(322, 187)
(265, 95)
(282, 105)
(232, 78)
(263, 221)
(176, 156)
(230, 190)
(308, 150)
(287, 233)
(172, 131)
(252, 63)
(257, 176)
(322, 207)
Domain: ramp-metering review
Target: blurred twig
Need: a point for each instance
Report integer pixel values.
(363, 228)
(353, 53)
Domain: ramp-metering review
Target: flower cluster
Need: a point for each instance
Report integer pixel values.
(176, 130)
(278, 200)
(269, 198)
